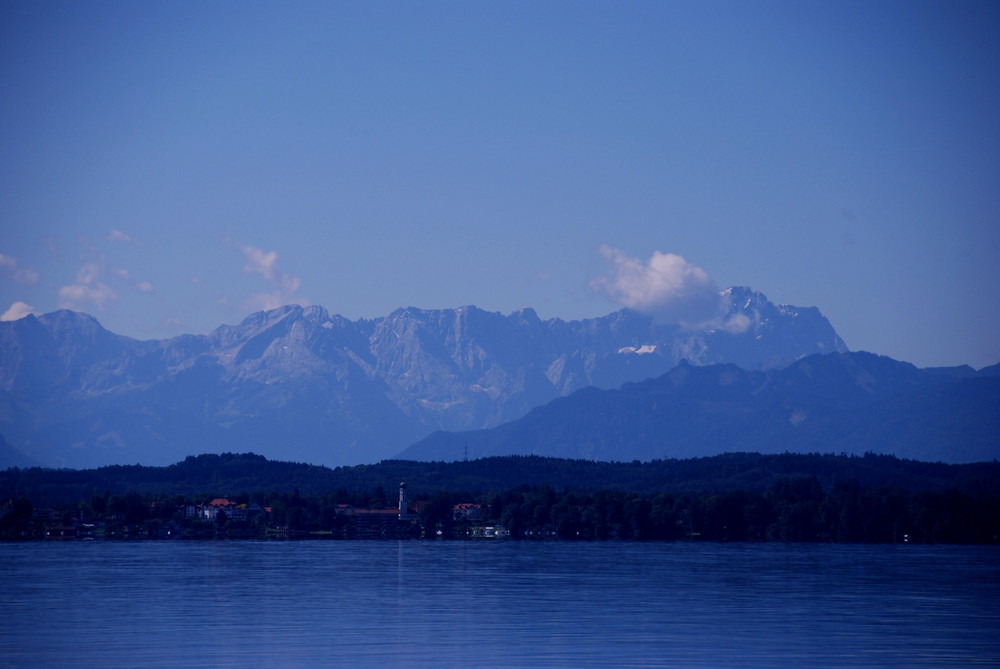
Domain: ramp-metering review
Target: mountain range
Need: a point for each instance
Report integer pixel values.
(849, 403)
(301, 384)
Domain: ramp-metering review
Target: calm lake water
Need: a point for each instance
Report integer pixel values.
(497, 604)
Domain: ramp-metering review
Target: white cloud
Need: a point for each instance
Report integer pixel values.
(667, 287)
(737, 324)
(78, 295)
(92, 287)
(25, 275)
(266, 264)
(17, 311)
(89, 273)
(118, 236)
(88, 289)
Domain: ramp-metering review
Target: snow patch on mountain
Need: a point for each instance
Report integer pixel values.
(642, 350)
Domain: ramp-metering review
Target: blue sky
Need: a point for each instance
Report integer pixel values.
(170, 166)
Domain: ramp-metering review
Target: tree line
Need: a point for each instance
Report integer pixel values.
(230, 474)
(792, 509)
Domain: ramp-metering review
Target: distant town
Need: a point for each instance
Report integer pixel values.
(128, 517)
(792, 509)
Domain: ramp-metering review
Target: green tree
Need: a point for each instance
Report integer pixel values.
(99, 503)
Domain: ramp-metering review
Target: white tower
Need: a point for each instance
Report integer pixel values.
(403, 513)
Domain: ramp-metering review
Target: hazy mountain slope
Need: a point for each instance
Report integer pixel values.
(851, 403)
(14, 457)
(299, 383)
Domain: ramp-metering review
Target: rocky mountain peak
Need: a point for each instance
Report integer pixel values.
(350, 391)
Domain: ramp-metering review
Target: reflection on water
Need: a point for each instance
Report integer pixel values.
(497, 604)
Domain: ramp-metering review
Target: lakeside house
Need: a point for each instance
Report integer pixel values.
(466, 511)
(381, 523)
(233, 511)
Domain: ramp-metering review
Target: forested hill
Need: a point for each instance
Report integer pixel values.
(229, 474)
